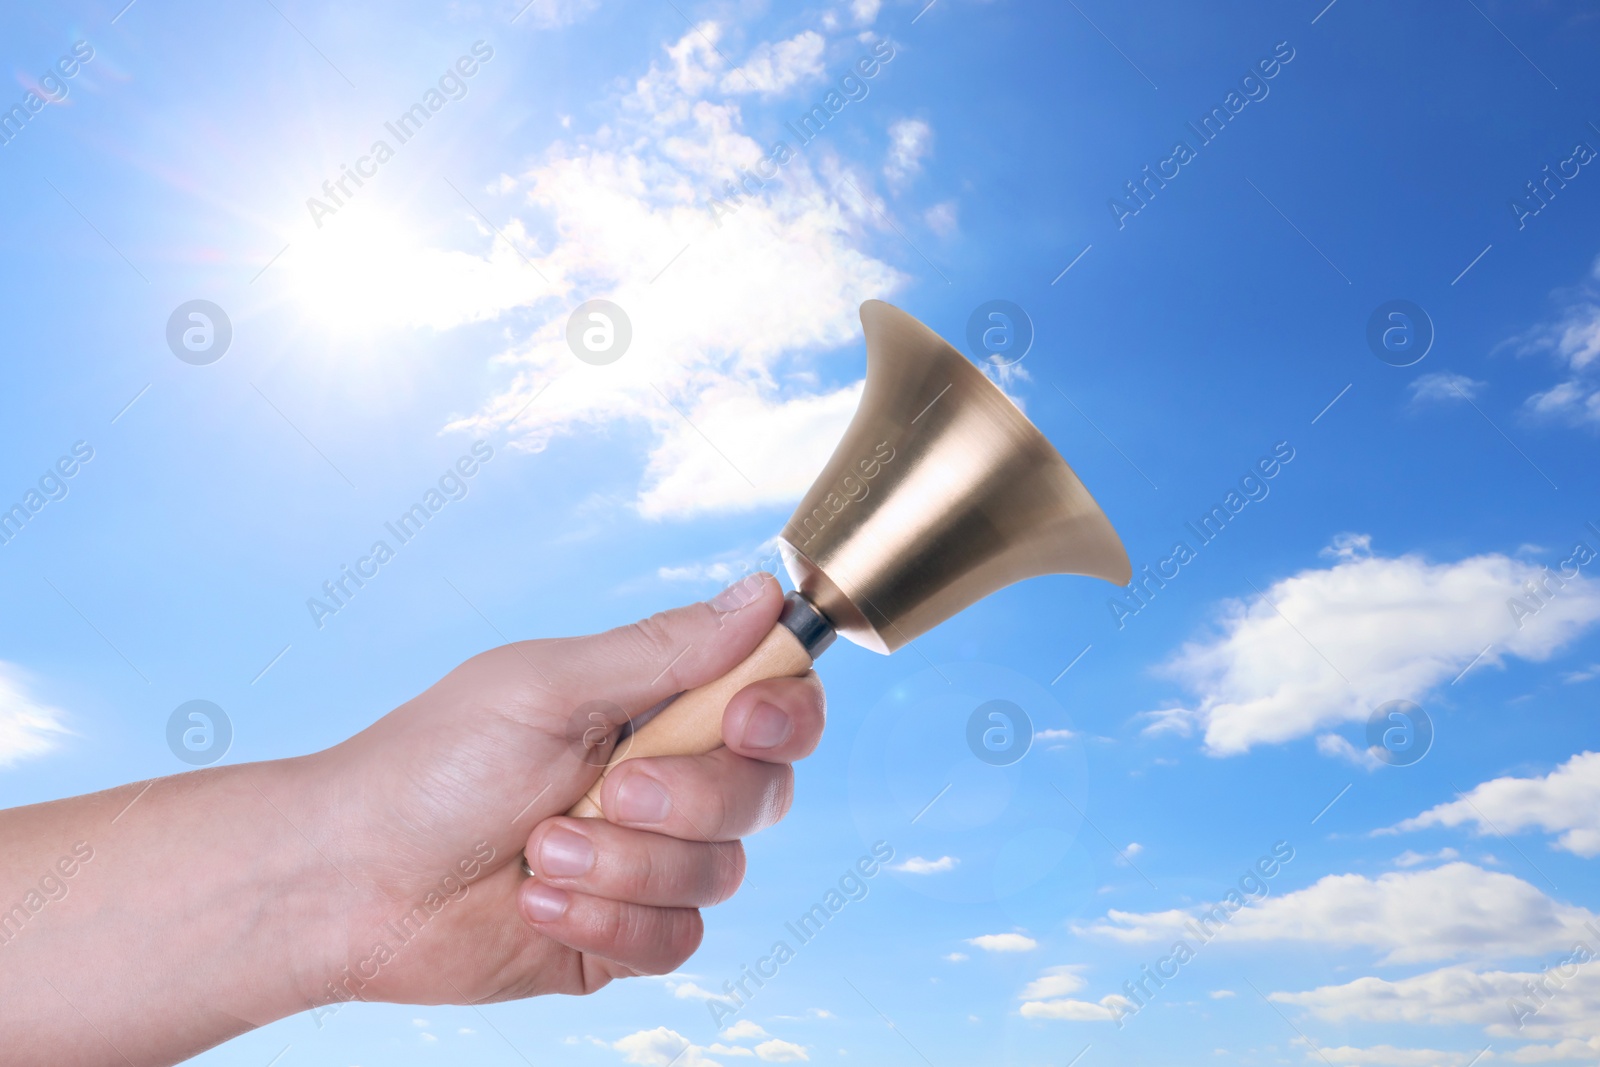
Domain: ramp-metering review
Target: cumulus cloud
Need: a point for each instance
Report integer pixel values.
(918, 865)
(662, 1047)
(28, 727)
(1573, 1048)
(1004, 942)
(687, 990)
(1390, 1056)
(1054, 982)
(1456, 911)
(730, 315)
(1104, 1010)
(910, 141)
(1461, 996)
(1583, 674)
(942, 218)
(548, 14)
(1409, 858)
(779, 1051)
(725, 568)
(1327, 645)
(865, 11)
(774, 68)
(1566, 801)
(1444, 387)
(1572, 338)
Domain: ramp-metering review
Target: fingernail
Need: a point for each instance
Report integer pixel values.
(738, 594)
(640, 799)
(542, 903)
(564, 853)
(766, 727)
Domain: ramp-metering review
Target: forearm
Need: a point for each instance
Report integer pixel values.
(154, 920)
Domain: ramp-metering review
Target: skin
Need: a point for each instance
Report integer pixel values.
(223, 899)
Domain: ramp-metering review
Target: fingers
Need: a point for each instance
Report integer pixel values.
(640, 665)
(720, 796)
(594, 857)
(732, 791)
(643, 939)
(779, 720)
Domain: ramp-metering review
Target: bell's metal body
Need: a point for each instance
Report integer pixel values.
(940, 493)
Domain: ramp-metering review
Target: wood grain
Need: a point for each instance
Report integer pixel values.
(692, 724)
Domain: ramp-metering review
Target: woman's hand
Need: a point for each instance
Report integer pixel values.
(171, 915)
(432, 806)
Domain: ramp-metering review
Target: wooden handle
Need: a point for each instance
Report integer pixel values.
(692, 724)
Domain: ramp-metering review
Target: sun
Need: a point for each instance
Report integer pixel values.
(369, 270)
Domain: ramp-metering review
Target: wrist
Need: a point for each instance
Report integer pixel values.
(304, 894)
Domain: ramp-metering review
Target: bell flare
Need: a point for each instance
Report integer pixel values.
(940, 493)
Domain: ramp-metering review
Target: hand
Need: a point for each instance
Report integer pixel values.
(423, 815)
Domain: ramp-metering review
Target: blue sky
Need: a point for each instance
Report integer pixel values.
(1188, 341)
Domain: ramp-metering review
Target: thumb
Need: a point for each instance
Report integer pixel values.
(640, 665)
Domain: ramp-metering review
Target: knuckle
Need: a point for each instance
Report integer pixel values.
(653, 637)
(685, 929)
(726, 872)
(646, 878)
(721, 815)
(779, 795)
(618, 927)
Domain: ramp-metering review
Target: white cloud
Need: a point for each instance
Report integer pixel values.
(942, 218)
(1394, 627)
(918, 865)
(1566, 801)
(1104, 1010)
(662, 1047)
(28, 728)
(685, 990)
(1572, 1048)
(1409, 858)
(1457, 911)
(1133, 849)
(955, 957)
(780, 1051)
(727, 568)
(1222, 994)
(910, 141)
(548, 14)
(744, 1028)
(1584, 674)
(1573, 338)
(773, 68)
(1390, 1056)
(730, 315)
(1004, 942)
(865, 12)
(1054, 982)
(1460, 996)
(1339, 747)
(1444, 387)
(738, 434)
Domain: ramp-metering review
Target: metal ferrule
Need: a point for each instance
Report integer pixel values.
(809, 626)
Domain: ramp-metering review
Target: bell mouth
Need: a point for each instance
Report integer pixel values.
(832, 601)
(939, 493)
